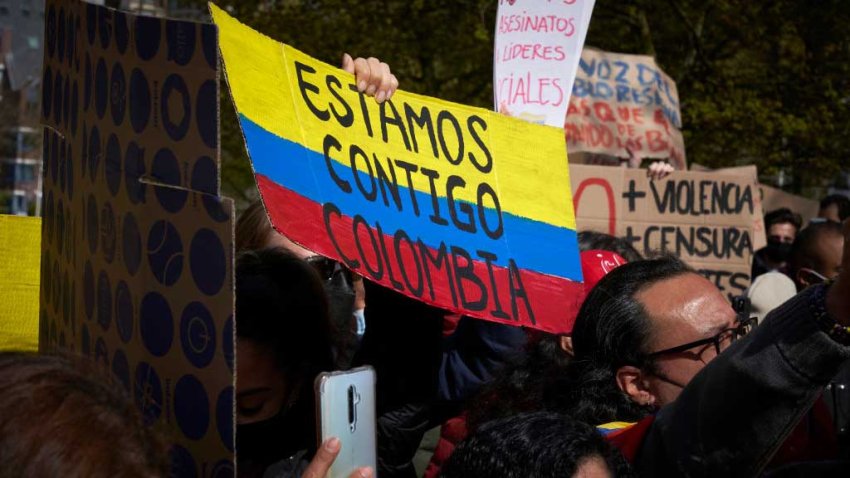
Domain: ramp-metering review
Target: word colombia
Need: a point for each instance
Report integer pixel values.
(459, 249)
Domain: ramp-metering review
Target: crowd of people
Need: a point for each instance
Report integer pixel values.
(660, 375)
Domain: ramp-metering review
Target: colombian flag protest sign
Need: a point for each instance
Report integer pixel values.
(456, 206)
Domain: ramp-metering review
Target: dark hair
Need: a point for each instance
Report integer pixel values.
(281, 305)
(541, 444)
(783, 216)
(612, 329)
(520, 385)
(805, 251)
(62, 416)
(253, 228)
(841, 201)
(592, 240)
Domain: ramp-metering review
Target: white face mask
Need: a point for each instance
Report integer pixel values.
(360, 318)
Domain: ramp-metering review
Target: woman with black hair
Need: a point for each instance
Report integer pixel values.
(282, 343)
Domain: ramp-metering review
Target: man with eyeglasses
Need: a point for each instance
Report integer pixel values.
(816, 254)
(815, 259)
(719, 397)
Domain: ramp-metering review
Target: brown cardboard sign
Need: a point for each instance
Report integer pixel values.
(775, 198)
(137, 244)
(705, 219)
(624, 105)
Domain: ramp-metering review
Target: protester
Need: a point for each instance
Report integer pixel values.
(816, 254)
(835, 208)
(283, 342)
(61, 416)
(522, 385)
(815, 258)
(346, 292)
(540, 444)
(642, 341)
(782, 226)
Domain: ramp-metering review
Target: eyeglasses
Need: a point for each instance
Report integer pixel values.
(819, 278)
(720, 341)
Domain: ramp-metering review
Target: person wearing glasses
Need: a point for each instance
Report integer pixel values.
(816, 254)
(815, 259)
(657, 344)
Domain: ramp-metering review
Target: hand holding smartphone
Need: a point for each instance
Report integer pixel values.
(346, 411)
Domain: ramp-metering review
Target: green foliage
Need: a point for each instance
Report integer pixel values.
(765, 83)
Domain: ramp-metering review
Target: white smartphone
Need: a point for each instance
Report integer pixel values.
(346, 410)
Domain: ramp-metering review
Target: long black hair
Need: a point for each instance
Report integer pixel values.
(281, 306)
(612, 330)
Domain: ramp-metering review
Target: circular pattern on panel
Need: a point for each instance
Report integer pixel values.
(156, 324)
(108, 234)
(134, 170)
(131, 244)
(165, 252)
(197, 334)
(141, 104)
(117, 94)
(180, 36)
(88, 290)
(148, 36)
(104, 301)
(147, 392)
(227, 342)
(124, 311)
(94, 152)
(101, 88)
(224, 417)
(121, 368)
(175, 107)
(208, 261)
(92, 231)
(113, 164)
(182, 463)
(122, 31)
(166, 169)
(191, 407)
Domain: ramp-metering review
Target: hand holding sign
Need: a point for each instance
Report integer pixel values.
(372, 76)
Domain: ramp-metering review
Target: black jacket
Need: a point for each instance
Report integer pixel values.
(734, 415)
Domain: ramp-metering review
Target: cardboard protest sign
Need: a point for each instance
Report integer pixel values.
(137, 245)
(456, 206)
(706, 219)
(20, 258)
(775, 198)
(537, 49)
(751, 172)
(624, 105)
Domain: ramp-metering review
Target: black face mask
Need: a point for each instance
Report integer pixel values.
(777, 251)
(261, 444)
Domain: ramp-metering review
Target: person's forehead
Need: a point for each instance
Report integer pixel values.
(687, 306)
(256, 364)
(782, 227)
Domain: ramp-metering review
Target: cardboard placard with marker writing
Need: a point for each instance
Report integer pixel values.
(459, 207)
(706, 219)
(137, 243)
